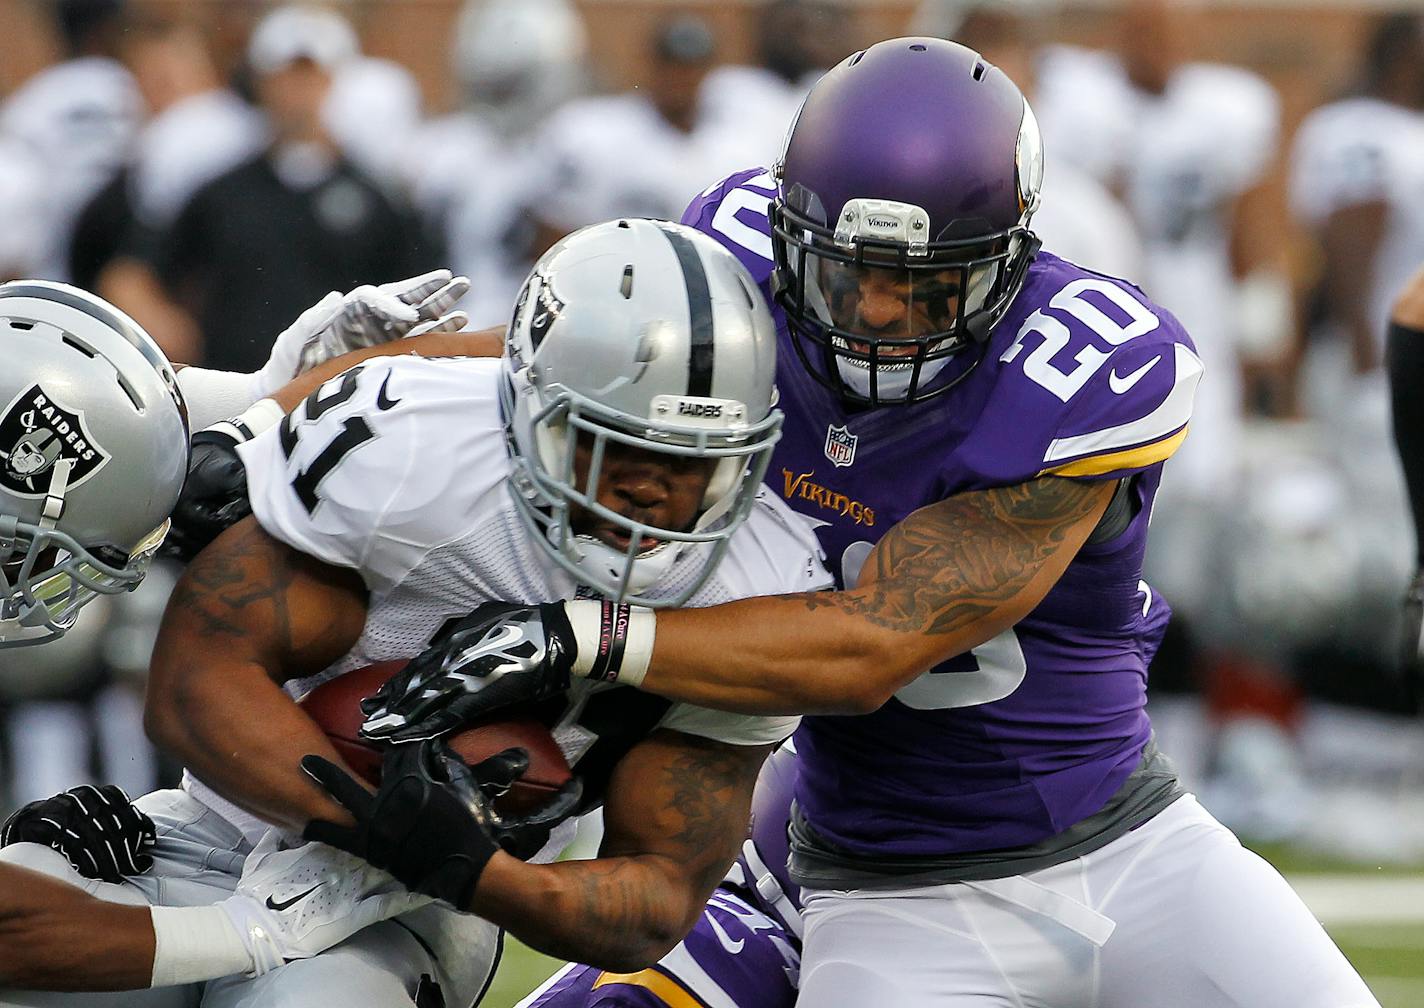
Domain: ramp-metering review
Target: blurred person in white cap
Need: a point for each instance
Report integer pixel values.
(78, 118)
(514, 61)
(265, 238)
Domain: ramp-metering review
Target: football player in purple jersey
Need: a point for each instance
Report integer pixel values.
(977, 429)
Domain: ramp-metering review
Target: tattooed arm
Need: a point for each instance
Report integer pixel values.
(248, 614)
(675, 817)
(946, 579)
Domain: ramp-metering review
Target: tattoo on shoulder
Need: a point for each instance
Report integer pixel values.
(245, 568)
(959, 560)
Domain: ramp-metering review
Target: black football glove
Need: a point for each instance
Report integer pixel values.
(500, 654)
(433, 824)
(1411, 651)
(96, 828)
(214, 494)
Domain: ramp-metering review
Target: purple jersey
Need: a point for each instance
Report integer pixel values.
(735, 957)
(1036, 729)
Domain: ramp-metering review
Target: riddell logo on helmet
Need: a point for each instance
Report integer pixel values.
(713, 410)
(36, 433)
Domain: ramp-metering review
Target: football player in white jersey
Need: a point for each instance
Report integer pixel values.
(89, 468)
(617, 450)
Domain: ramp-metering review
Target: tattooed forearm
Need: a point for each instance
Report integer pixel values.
(953, 563)
(677, 814)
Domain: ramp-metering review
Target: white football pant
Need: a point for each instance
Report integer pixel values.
(1175, 914)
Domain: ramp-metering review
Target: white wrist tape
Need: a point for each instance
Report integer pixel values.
(250, 422)
(194, 944)
(216, 395)
(615, 640)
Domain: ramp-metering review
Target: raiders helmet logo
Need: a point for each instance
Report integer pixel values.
(35, 433)
(546, 308)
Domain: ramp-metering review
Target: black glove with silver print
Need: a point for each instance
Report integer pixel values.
(97, 829)
(500, 654)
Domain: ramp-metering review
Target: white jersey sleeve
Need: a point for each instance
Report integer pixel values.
(774, 553)
(378, 466)
(1346, 153)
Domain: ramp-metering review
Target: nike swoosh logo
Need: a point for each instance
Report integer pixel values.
(383, 402)
(1122, 384)
(274, 905)
(489, 645)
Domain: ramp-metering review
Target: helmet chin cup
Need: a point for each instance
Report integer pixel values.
(632, 573)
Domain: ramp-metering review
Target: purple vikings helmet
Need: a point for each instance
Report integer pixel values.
(907, 182)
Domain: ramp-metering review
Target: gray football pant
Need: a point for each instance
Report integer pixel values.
(198, 860)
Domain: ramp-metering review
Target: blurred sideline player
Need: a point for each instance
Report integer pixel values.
(1356, 166)
(95, 446)
(638, 383)
(1079, 218)
(477, 177)
(1404, 357)
(977, 429)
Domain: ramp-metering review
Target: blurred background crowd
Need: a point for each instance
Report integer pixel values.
(215, 166)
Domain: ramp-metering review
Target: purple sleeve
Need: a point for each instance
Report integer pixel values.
(1132, 415)
(1096, 383)
(735, 212)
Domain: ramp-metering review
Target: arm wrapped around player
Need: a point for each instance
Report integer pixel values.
(503, 654)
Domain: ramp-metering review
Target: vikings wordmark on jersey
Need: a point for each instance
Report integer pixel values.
(1036, 729)
(36, 433)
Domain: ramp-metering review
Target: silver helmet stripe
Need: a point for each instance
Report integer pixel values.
(699, 313)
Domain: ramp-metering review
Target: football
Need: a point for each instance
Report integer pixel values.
(336, 707)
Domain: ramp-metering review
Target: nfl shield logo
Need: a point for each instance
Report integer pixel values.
(35, 433)
(840, 446)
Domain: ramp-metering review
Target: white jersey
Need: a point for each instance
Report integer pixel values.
(1181, 159)
(187, 145)
(1081, 221)
(26, 233)
(79, 119)
(477, 184)
(372, 111)
(747, 111)
(398, 469)
(616, 156)
(1364, 150)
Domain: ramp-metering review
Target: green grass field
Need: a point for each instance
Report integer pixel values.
(1389, 954)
